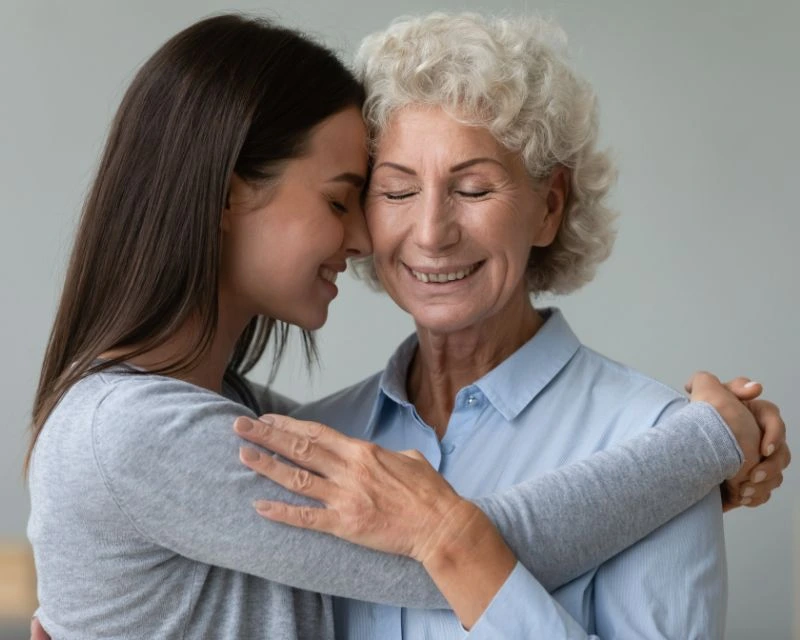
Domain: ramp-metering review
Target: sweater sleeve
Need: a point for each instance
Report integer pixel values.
(169, 458)
(567, 521)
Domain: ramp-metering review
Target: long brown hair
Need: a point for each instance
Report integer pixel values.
(229, 94)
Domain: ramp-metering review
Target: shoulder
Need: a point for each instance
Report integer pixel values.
(348, 410)
(617, 378)
(633, 399)
(144, 411)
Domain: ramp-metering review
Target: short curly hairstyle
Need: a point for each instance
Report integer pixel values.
(512, 76)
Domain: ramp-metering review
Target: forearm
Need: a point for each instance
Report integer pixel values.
(565, 522)
(469, 562)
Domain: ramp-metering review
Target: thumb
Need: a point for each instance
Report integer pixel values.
(412, 453)
(745, 388)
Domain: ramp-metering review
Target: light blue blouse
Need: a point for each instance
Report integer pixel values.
(554, 401)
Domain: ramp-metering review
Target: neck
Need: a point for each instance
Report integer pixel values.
(446, 362)
(210, 367)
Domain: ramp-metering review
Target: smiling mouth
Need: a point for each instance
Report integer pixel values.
(328, 274)
(444, 277)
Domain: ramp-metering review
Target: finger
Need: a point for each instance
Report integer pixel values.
(303, 517)
(702, 383)
(295, 479)
(331, 439)
(745, 388)
(771, 466)
(37, 631)
(769, 420)
(761, 489)
(308, 453)
(414, 454)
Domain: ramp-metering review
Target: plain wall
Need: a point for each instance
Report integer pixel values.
(699, 101)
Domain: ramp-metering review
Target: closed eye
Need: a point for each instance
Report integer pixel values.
(399, 196)
(473, 194)
(338, 207)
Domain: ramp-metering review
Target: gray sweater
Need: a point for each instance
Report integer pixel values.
(142, 524)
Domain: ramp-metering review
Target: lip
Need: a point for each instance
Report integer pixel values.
(473, 267)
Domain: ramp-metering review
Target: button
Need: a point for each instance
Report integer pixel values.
(471, 399)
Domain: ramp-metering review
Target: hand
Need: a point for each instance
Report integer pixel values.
(389, 501)
(37, 630)
(754, 483)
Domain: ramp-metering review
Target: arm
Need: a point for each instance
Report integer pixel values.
(167, 455)
(584, 513)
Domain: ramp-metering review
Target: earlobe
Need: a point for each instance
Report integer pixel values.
(556, 201)
(225, 219)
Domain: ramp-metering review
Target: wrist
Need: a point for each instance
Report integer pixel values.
(468, 560)
(464, 532)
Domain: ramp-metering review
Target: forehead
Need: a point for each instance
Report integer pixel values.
(431, 133)
(338, 143)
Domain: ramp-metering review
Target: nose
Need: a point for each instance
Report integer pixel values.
(357, 242)
(435, 226)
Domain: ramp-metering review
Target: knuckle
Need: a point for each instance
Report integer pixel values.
(301, 480)
(361, 473)
(314, 430)
(302, 449)
(306, 516)
(366, 451)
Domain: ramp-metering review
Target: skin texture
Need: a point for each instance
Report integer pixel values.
(277, 239)
(447, 197)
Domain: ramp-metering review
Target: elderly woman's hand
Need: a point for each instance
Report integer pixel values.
(389, 501)
(759, 430)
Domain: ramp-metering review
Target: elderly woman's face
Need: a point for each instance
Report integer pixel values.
(453, 216)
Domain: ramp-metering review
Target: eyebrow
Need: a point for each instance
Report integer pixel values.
(454, 169)
(355, 179)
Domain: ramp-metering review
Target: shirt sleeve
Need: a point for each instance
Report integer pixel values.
(523, 609)
(565, 522)
(672, 584)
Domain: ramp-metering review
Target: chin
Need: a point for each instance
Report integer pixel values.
(442, 322)
(314, 321)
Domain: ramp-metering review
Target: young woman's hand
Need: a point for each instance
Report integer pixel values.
(758, 428)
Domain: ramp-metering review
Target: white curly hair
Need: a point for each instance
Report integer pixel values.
(512, 76)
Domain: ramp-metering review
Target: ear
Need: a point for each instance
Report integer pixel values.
(234, 188)
(555, 201)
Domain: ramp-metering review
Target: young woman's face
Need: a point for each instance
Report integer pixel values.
(284, 245)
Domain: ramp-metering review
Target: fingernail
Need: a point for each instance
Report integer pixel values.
(752, 383)
(746, 501)
(262, 505)
(248, 454)
(243, 425)
(759, 476)
(270, 420)
(749, 491)
(770, 450)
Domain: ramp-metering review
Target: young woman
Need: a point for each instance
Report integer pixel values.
(226, 203)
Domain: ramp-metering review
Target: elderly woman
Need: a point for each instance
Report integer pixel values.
(487, 187)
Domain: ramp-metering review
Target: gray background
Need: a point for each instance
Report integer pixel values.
(699, 102)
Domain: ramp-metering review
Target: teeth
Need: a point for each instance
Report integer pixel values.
(444, 277)
(328, 274)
